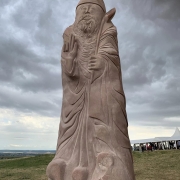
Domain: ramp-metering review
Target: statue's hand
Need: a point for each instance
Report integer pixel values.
(69, 50)
(96, 63)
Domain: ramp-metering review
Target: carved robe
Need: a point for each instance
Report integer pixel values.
(93, 129)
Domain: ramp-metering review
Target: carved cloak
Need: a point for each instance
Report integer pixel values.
(93, 117)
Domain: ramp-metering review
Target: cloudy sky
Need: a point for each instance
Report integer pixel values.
(30, 75)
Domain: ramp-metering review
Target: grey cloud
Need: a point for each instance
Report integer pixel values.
(149, 42)
(154, 9)
(40, 103)
(149, 49)
(21, 61)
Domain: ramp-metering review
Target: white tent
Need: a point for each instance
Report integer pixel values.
(174, 137)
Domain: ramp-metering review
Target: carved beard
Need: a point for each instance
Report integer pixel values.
(87, 26)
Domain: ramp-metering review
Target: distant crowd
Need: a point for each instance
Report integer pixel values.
(157, 146)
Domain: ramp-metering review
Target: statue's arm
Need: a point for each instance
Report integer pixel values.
(108, 48)
(107, 52)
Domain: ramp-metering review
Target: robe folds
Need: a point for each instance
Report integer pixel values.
(93, 131)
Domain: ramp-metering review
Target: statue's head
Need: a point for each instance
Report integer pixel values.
(89, 14)
(100, 3)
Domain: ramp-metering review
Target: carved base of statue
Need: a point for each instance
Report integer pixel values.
(93, 141)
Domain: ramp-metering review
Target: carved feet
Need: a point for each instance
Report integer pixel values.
(56, 169)
(107, 168)
(80, 173)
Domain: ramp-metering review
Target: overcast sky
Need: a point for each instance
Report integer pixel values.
(30, 75)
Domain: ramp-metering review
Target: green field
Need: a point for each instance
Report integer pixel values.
(157, 165)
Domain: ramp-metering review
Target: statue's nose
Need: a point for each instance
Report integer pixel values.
(87, 10)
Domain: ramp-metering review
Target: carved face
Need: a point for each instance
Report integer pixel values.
(88, 18)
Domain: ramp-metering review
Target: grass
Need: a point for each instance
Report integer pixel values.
(163, 165)
(32, 168)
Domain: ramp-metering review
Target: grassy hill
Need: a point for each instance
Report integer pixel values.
(157, 165)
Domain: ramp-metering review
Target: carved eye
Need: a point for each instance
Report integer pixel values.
(83, 8)
(92, 8)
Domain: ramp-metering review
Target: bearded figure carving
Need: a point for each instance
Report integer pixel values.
(93, 141)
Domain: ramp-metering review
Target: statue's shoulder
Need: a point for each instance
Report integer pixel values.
(109, 28)
(67, 33)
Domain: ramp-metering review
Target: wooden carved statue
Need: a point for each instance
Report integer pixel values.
(93, 141)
